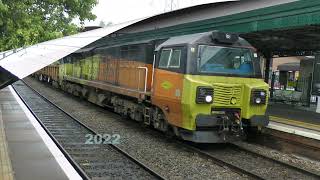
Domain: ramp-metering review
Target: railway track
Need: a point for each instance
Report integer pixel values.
(283, 164)
(252, 164)
(91, 160)
(289, 143)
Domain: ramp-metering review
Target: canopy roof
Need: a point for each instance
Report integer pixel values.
(18, 64)
(31, 59)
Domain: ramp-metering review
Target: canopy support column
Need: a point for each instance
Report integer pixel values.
(268, 65)
(318, 104)
(316, 80)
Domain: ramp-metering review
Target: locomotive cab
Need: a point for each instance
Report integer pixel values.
(209, 87)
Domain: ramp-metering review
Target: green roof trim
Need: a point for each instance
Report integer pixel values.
(285, 16)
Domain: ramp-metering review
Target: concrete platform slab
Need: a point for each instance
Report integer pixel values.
(300, 131)
(289, 112)
(6, 171)
(26, 151)
(292, 120)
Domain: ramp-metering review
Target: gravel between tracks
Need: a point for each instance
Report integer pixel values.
(162, 155)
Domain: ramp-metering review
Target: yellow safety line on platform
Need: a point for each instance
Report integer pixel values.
(295, 123)
(6, 172)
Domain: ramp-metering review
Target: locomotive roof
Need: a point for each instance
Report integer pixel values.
(197, 38)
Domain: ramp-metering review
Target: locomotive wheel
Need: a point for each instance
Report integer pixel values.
(252, 133)
(159, 121)
(170, 132)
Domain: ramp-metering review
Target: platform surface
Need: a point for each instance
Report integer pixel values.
(290, 115)
(6, 171)
(24, 154)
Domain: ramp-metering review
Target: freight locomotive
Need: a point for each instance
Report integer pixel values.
(204, 87)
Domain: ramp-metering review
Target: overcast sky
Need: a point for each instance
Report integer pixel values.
(117, 11)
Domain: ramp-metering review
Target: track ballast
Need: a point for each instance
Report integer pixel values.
(92, 161)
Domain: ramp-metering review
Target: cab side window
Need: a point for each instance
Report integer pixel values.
(175, 59)
(164, 58)
(170, 59)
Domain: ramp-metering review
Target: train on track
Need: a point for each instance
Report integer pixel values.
(204, 87)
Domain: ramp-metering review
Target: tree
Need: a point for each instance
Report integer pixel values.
(27, 22)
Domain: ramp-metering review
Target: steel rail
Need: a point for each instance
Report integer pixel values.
(136, 161)
(222, 163)
(303, 171)
(65, 153)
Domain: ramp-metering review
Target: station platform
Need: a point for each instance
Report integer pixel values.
(293, 120)
(26, 151)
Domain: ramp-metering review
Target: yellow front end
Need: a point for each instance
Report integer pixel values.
(229, 94)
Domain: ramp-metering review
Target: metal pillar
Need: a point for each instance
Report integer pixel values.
(316, 81)
(318, 105)
(273, 78)
(268, 64)
(309, 90)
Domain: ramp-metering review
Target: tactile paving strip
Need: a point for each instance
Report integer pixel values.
(6, 172)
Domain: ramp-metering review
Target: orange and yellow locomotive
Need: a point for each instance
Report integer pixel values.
(205, 87)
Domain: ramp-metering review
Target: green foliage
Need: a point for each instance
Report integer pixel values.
(26, 22)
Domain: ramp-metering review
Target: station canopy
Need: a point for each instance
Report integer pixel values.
(20, 63)
(302, 41)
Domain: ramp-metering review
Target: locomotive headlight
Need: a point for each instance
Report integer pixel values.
(258, 96)
(209, 99)
(204, 95)
(258, 100)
